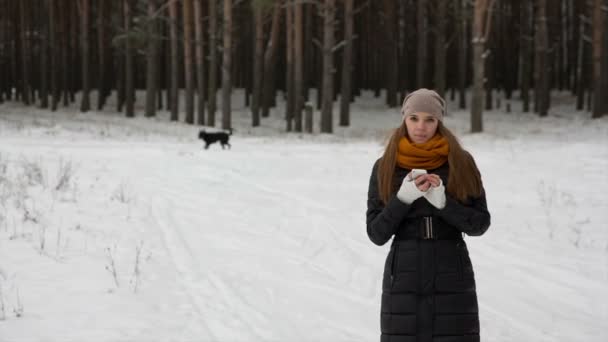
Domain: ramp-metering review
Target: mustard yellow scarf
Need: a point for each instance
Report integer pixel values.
(429, 155)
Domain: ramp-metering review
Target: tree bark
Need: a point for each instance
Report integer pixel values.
(328, 66)
(200, 60)
(525, 42)
(392, 62)
(299, 67)
(289, 67)
(211, 95)
(463, 54)
(598, 27)
(152, 61)
(174, 103)
(347, 67)
(227, 66)
(269, 61)
(85, 105)
(479, 39)
(129, 81)
(258, 65)
(421, 51)
(188, 65)
(25, 60)
(440, 52)
(541, 63)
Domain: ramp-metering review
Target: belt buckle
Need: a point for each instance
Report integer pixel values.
(427, 232)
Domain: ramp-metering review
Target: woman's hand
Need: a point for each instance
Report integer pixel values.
(434, 179)
(423, 182)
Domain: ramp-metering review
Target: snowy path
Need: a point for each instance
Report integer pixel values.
(267, 242)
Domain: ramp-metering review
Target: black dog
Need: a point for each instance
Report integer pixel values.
(212, 137)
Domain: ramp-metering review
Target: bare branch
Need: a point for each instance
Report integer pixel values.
(338, 46)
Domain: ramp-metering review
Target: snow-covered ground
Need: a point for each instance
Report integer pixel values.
(115, 229)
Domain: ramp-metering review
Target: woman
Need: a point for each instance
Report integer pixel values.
(428, 288)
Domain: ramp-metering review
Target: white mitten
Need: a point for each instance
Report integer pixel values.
(409, 192)
(436, 196)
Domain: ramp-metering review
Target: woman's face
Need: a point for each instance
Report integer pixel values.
(421, 127)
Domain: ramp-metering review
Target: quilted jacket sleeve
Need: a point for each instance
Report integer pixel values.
(472, 219)
(382, 221)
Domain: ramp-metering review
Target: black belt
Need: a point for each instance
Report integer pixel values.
(427, 228)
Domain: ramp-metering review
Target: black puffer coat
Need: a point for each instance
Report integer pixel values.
(428, 288)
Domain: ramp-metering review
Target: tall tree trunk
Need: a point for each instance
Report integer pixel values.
(299, 66)
(481, 27)
(269, 61)
(152, 61)
(200, 60)
(598, 27)
(525, 42)
(603, 86)
(174, 96)
(129, 81)
(188, 65)
(463, 53)
(440, 48)
(347, 66)
(25, 60)
(84, 32)
(101, 47)
(64, 16)
(211, 95)
(44, 54)
(392, 62)
(53, 51)
(227, 65)
(309, 49)
(421, 51)
(289, 67)
(258, 61)
(328, 66)
(541, 74)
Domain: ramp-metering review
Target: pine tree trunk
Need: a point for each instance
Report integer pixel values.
(188, 65)
(258, 63)
(152, 61)
(173, 93)
(227, 66)
(462, 53)
(598, 27)
(347, 67)
(102, 48)
(328, 66)
(25, 60)
(129, 81)
(289, 67)
(211, 95)
(299, 67)
(44, 55)
(541, 63)
(392, 62)
(269, 61)
(53, 51)
(84, 31)
(200, 60)
(421, 51)
(479, 31)
(525, 51)
(65, 66)
(440, 52)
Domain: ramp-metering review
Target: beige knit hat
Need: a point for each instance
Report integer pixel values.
(426, 101)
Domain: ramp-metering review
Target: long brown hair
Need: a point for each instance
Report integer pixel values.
(464, 180)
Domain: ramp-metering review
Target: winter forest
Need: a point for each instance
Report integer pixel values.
(54, 49)
(121, 221)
